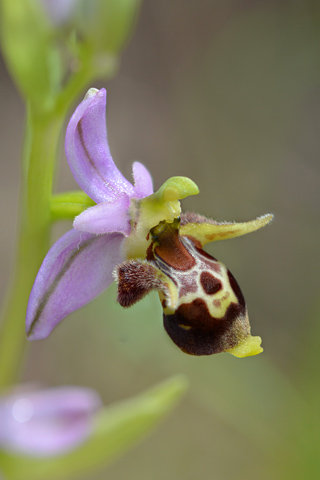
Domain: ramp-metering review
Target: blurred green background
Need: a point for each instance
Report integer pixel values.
(228, 94)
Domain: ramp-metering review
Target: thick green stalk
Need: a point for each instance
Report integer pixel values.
(39, 154)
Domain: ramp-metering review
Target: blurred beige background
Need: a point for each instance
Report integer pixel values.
(227, 93)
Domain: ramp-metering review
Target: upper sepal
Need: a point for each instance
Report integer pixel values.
(88, 152)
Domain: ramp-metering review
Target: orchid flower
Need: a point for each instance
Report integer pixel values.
(46, 422)
(145, 242)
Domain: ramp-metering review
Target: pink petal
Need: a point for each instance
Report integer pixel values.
(47, 422)
(59, 11)
(88, 151)
(106, 217)
(76, 269)
(143, 186)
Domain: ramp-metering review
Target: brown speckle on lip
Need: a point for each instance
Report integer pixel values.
(209, 283)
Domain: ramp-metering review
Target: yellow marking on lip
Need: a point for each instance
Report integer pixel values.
(214, 236)
(225, 296)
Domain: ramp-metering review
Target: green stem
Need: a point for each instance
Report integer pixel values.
(39, 153)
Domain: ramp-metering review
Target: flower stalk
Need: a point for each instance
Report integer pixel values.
(68, 205)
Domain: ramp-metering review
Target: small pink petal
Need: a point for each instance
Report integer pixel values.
(143, 186)
(88, 151)
(47, 422)
(76, 269)
(106, 217)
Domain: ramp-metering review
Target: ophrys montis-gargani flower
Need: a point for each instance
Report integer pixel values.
(148, 244)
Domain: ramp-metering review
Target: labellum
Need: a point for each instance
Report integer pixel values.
(204, 311)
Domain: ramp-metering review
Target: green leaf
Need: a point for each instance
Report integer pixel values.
(117, 428)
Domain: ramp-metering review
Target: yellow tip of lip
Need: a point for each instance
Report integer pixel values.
(246, 348)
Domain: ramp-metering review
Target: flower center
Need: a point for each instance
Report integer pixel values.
(147, 213)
